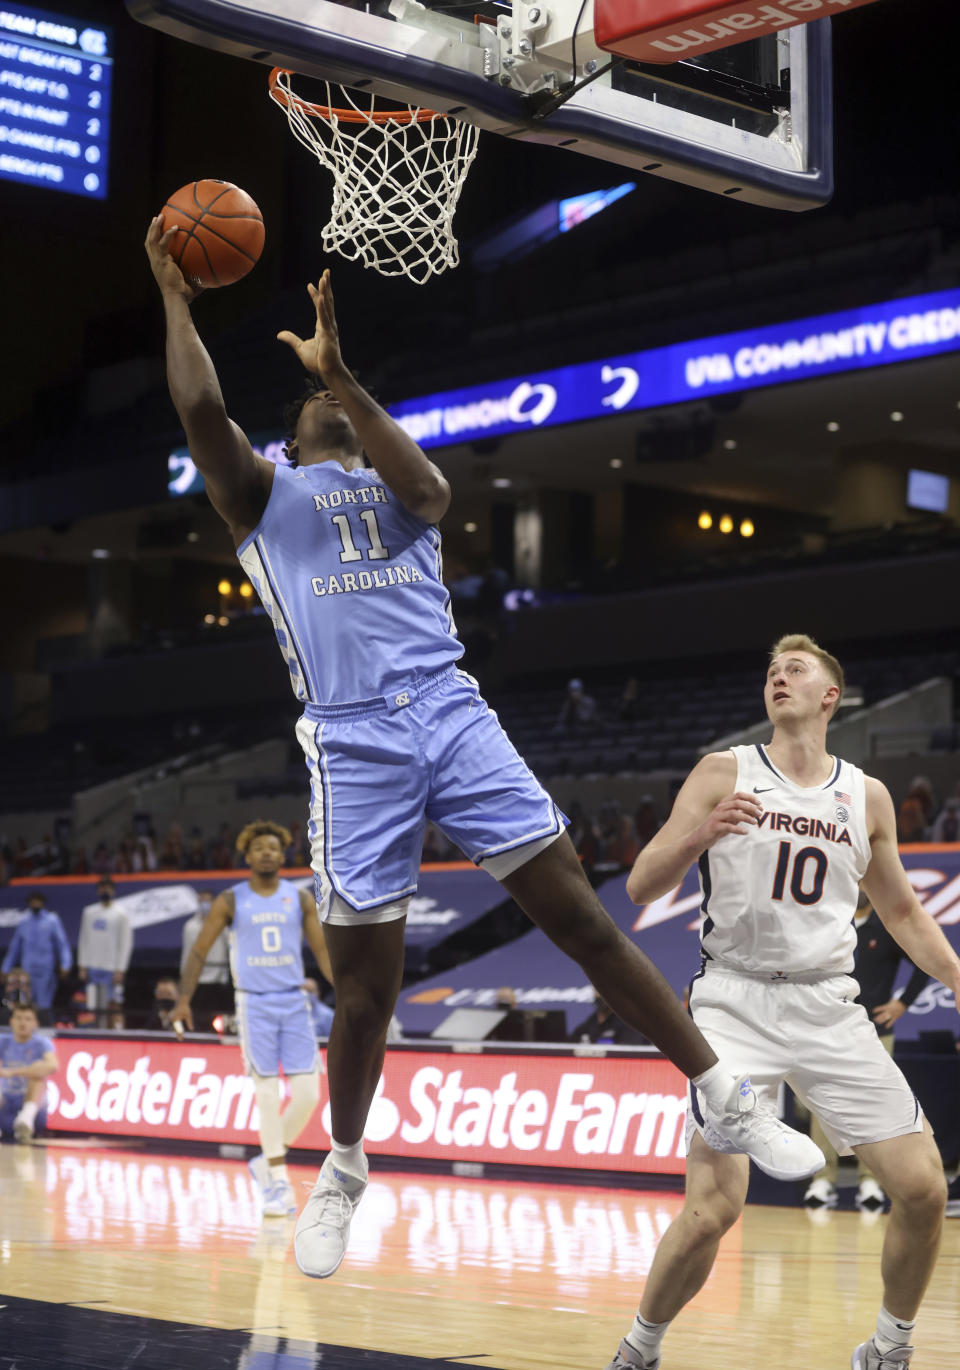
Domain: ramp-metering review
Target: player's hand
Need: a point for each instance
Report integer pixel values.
(118, 977)
(169, 277)
(738, 813)
(887, 1014)
(182, 1017)
(82, 972)
(320, 355)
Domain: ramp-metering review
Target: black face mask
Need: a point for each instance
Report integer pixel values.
(165, 1003)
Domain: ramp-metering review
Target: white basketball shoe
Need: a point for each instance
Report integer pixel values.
(22, 1129)
(867, 1357)
(629, 1358)
(323, 1228)
(279, 1200)
(746, 1128)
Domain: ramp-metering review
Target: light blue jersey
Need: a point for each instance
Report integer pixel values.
(353, 583)
(13, 1089)
(266, 949)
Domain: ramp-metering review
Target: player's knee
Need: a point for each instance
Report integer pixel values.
(709, 1219)
(923, 1193)
(364, 1013)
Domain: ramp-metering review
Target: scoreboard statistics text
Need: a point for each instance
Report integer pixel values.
(55, 88)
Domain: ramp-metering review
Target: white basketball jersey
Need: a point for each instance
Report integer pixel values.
(782, 896)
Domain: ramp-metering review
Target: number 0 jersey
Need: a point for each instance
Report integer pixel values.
(353, 583)
(782, 896)
(266, 939)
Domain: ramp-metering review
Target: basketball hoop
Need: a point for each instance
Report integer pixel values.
(397, 177)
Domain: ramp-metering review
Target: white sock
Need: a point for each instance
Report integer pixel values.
(716, 1086)
(646, 1337)
(28, 1113)
(892, 1332)
(349, 1158)
(278, 1172)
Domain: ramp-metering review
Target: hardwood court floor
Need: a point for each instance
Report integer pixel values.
(516, 1276)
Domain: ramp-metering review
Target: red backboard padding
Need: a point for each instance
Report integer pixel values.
(669, 30)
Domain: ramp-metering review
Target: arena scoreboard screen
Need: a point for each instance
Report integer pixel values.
(55, 87)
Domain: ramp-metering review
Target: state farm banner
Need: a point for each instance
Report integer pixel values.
(597, 1113)
(448, 899)
(668, 931)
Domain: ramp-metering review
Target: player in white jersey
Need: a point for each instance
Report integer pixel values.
(343, 549)
(267, 919)
(784, 834)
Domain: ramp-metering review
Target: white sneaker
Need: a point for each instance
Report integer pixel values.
(279, 1200)
(22, 1130)
(755, 1132)
(323, 1228)
(870, 1196)
(260, 1173)
(821, 1194)
(867, 1357)
(629, 1358)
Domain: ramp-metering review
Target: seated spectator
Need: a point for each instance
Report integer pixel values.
(26, 1060)
(578, 711)
(221, 849)
(603, 1025)
(911, 821)
(164, 1000)
(583, 834)
(646, 821)
(196, 856)
(17, 990)
(947, 826)
(617, 846)
(922, 790)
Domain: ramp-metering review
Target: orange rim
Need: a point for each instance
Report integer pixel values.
(346, 116)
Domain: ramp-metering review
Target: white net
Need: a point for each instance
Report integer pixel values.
(397, 177)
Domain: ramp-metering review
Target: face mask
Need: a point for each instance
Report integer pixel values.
(164, 1003)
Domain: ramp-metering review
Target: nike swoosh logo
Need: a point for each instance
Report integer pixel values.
(765, 790)
(906, 1326)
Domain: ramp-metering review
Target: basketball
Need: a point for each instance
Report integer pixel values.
(224, 232)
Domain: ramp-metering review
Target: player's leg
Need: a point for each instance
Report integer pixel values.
(259, 1025)
(553, 891)
(367, 964)
(24, 1124)
(716, 1190)
(484, 797)
(910, 1170)
(865, 1105)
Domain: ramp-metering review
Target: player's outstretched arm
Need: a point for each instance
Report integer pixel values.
(417, 483)
(895, 899)
(313, 932)
(705, 810)
(219, 918)
(237, 480)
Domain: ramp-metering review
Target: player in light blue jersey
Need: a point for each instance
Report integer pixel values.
(267, 919)
(26, 1060)
(344, 551)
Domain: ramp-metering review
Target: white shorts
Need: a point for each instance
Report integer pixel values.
(809, 1033)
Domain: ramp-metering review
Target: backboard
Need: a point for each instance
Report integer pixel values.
(752, 121)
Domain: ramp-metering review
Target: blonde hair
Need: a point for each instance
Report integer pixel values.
(800, 642)
(262, 828)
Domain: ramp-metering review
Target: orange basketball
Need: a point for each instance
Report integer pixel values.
(224, 232)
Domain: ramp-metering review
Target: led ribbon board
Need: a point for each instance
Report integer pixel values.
(55, 86)
(825, 345)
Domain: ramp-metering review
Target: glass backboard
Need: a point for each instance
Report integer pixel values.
(752, 121)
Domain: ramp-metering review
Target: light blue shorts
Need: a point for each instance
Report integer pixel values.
(381, 768)
(275, 1030)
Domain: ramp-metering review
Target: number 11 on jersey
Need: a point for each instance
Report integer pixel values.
(376, 552)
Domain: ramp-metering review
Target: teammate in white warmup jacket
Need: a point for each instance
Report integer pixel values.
(784, 834)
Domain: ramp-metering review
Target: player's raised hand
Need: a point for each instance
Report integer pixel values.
(320, 355)
(169, 277)
(738, 813)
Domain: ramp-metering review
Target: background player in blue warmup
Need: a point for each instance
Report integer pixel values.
(345, 557)
(26, 1060)
(39, 946)
(267, 920)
